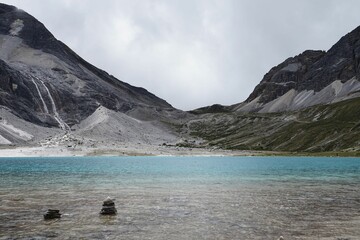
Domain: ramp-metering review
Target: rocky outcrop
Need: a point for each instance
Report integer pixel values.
(284, 77)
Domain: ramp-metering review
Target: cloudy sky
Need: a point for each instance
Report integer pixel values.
(194, 53)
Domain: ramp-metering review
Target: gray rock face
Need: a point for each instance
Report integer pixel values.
(45, 82)
(287, 75)
(311, 71)
(21, 99)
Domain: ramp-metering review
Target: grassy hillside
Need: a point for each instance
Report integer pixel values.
(321, 128)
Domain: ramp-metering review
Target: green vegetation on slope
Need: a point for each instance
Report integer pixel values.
(321, 128)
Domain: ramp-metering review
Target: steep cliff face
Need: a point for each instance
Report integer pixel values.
(311, 78)
(45, 82)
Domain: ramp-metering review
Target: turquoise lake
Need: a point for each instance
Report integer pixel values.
(181, 197)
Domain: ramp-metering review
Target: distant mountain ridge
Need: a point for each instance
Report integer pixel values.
(310, 78)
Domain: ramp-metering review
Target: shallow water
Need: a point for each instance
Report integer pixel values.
(181, 197)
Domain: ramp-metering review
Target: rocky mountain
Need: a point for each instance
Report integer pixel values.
(309, 102)
(49, 96)
(50, 84)
(310, 78)
(44, 82)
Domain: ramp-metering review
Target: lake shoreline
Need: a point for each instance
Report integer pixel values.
(150, 150)
(125, 150)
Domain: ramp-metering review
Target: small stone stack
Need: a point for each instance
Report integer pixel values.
(108, 207)
(52, 214)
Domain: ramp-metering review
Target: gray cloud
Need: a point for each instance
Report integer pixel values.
(194, 53)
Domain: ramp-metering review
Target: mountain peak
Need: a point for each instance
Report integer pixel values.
(308, 74)
(4, 8)
(19, 23)
(43, 81)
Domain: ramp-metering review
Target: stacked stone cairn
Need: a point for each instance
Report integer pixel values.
(108, 207)
(52, 214)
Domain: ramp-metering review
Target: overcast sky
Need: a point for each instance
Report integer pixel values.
(194, 53)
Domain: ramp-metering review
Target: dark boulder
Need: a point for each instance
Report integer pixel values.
(108, 207)
(52, 214)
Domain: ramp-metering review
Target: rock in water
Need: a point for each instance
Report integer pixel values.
(108, 207)
(52, 214)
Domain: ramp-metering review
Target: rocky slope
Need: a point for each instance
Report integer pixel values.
(311, 78)
(50, 84)
(45, 83)
(309, 102)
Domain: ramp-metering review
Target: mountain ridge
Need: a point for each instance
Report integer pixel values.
(307, 74)
(20, 33)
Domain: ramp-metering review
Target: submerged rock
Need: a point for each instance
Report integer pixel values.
(108, 207)
(52, 214)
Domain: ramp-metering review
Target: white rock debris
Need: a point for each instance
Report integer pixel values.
(16, 27)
